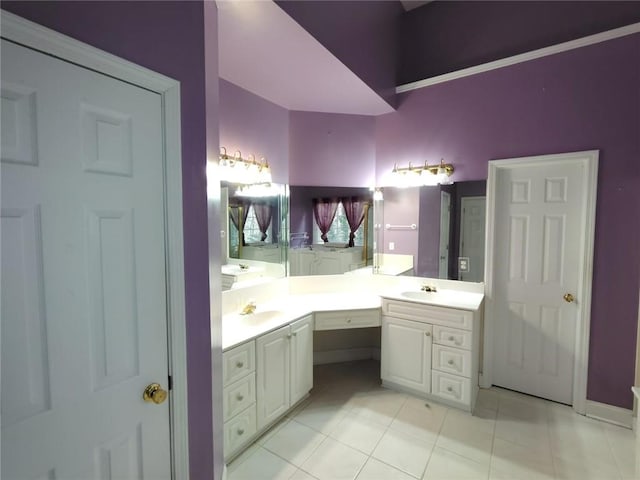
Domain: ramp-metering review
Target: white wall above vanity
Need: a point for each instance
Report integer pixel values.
(429, 346)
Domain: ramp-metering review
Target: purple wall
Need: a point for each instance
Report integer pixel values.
(301, 206)
(331, 149)
(442, 37)
(583, 99)
(428, 252)
(362, 34)
(168, 37)
(253, 125)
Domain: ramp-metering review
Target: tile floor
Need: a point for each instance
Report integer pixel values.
(352, 428)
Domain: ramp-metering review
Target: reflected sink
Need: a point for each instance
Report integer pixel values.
(420, 295)
(260, 317)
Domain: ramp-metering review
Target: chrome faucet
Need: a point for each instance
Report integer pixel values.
(249, 308)
(428, 288)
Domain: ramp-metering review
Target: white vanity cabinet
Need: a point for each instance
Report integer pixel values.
(284, 369)
(239, 397)
(406, 354)
(344, 319)
(431, 350)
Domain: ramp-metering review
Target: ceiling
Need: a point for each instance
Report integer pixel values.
(265, 51)
(411, 4)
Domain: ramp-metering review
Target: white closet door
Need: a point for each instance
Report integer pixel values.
(539, 229)
(84, 322)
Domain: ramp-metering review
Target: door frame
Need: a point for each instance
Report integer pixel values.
(589, 159)
(31, 35)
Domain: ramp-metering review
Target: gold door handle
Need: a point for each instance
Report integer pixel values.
(568, 297)
(154, 393)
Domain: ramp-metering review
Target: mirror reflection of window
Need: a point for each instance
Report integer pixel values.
(340, 230)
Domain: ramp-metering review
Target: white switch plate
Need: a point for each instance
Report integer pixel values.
(392, 245)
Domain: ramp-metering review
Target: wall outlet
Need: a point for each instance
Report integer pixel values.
(392, 246)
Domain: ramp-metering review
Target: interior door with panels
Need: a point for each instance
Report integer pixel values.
(84, 321)
(539, 230)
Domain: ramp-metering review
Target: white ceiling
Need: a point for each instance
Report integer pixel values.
(265, 51)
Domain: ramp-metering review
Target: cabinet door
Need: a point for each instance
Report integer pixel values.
(301, 358)
(273, 375)
(406, 353)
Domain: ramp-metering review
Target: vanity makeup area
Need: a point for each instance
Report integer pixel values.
(428, 342)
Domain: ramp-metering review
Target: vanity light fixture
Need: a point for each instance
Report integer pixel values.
(413, 176)
(235, 169)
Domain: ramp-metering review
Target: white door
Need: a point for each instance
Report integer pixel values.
(301, 358)
(84, 322)
(540, 232)
(445, 214)
(273, 362)
(406, 353)
(472, 232)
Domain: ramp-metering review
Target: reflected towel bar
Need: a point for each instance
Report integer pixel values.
(388, 226)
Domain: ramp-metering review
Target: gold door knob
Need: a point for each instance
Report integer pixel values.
(568, 297)
(154, 393)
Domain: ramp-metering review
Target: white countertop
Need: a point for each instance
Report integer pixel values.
(268, 316)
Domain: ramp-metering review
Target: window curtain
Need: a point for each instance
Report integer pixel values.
(324, 211)
(263, 213)
(234, 214)
(354, 211)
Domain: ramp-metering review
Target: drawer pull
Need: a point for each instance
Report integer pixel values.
(240, 431)
(428, 334)
(240, 364)
(289, 336)
(451, 339)
(295, 334)
(348, 320)
(449, 389)
(450, 362)
(239, 397)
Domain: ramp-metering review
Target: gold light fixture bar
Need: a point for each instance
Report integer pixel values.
(423, 174)
(236, 169)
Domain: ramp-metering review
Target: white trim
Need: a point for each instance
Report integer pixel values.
(590, 161)
(523, 57)
(609, 413)
(37, 37)
(345, 355)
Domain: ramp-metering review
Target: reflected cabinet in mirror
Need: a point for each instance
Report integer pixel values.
(440, 230)
(331, 230)
(254, 233)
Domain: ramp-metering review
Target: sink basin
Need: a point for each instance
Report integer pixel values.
(420, 295)
(260, 317)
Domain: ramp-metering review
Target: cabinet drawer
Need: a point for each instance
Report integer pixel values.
(239, 430)
(347, 319)
(239, 396)
(451, 387)
(451, 360)
(238, 362)
(452, 337)
(449, 317)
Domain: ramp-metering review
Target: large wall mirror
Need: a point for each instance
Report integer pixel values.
(254, 233)
(440, 229)
(331, 230)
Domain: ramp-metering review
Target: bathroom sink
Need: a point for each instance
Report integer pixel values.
(420, 295)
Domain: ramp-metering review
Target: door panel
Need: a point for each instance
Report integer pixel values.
(472, 237)
(539, 223)
(84, 322)
(273, 375)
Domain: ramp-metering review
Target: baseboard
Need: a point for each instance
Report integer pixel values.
(345, 355)
(609, 413)
(224, 472)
